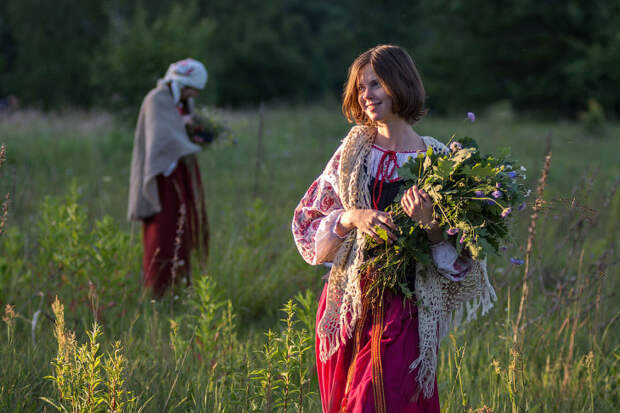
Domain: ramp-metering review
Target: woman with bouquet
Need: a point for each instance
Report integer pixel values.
(165, 187)
(378, 352)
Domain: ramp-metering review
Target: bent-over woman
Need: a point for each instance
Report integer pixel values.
(165, 190)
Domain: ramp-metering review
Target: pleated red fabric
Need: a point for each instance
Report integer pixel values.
(399, 346)
(182, 202)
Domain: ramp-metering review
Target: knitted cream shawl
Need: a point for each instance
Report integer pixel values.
(441, 301)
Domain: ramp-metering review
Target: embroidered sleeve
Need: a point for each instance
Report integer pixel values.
(449, 263)
(317, 214)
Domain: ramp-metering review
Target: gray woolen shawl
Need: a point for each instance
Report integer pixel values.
(160, 139)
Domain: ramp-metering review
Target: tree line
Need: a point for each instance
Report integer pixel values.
(547, 57)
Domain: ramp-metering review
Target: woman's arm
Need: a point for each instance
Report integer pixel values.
(316, 216)
(369, 221)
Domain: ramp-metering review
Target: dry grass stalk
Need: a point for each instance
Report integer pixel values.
(2, 154)
(5, 205)
(177, 262)
(530, 239)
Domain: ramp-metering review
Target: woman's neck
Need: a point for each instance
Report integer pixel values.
(397, 135)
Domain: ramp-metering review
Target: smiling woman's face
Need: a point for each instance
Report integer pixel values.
(372, 97)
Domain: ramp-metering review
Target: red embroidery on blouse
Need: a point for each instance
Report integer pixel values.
(318, 202)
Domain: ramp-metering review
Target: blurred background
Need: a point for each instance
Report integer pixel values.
(72, 77)
(547, 58)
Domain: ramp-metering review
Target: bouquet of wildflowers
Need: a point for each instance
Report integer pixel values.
(206, 128)
(474, 196)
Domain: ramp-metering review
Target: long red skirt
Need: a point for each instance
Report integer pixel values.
(399, 347)
(170, 235)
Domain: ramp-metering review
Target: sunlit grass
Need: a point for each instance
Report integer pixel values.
(207, 350)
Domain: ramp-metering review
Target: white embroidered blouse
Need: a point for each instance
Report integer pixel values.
(320, 209)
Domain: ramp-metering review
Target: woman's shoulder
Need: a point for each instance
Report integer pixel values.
(438, 146)
(358, 134)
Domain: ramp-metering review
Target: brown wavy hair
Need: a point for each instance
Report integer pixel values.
(399, 77)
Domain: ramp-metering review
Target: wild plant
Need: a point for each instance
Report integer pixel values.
(116, 397)
(9, 318)
(286, 362)
(530, 240)
(5, 205)
(84, 380)
(177, 262)
(267, 376)
(284, 377)
(72, 256)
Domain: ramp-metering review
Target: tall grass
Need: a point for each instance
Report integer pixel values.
(225, 344)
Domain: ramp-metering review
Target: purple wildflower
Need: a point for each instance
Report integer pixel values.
(471, 116)
(517, 261)
(505, 212)
(512, 174)
(498, 185)
(522, 206)
(496, 194)
(503, 248)
(479, 193)
(452, 231)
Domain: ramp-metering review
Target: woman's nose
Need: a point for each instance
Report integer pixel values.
(366, 95)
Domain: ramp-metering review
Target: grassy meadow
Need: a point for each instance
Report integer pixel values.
(241, 338)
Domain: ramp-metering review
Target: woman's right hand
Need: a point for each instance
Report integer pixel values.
(369, 221)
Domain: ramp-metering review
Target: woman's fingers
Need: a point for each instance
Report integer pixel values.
(407, 203)
(425, 196)
(380, 221)
(417, 201)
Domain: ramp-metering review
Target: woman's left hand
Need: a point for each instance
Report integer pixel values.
(418, 205)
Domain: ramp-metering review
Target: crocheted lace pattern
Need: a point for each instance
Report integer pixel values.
(442, 301)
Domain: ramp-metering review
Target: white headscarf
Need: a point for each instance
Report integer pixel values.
(186, 72)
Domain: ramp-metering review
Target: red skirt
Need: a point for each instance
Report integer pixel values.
(399, 347)
(170, 236)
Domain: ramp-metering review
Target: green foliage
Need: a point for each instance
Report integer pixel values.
(84, 380)
(494, 49)
(473, 196)
(287, 360)
(471, 53)
(593, 119)
(138, 49)
(53, 46)
(70, 255)
(573, 262)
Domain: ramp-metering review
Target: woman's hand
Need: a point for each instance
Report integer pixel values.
(419, 206)
(369, 221)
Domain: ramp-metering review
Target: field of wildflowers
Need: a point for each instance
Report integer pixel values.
(82, 336)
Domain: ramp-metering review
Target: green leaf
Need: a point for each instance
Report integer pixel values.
(444, 167)
(382, 233)
(462, 155)
(468, 142)
(427, 161)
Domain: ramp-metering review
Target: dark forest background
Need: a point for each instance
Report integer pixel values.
(548, 58)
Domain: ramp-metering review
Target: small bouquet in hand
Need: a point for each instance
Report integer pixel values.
(205, 128)
(473, 196)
